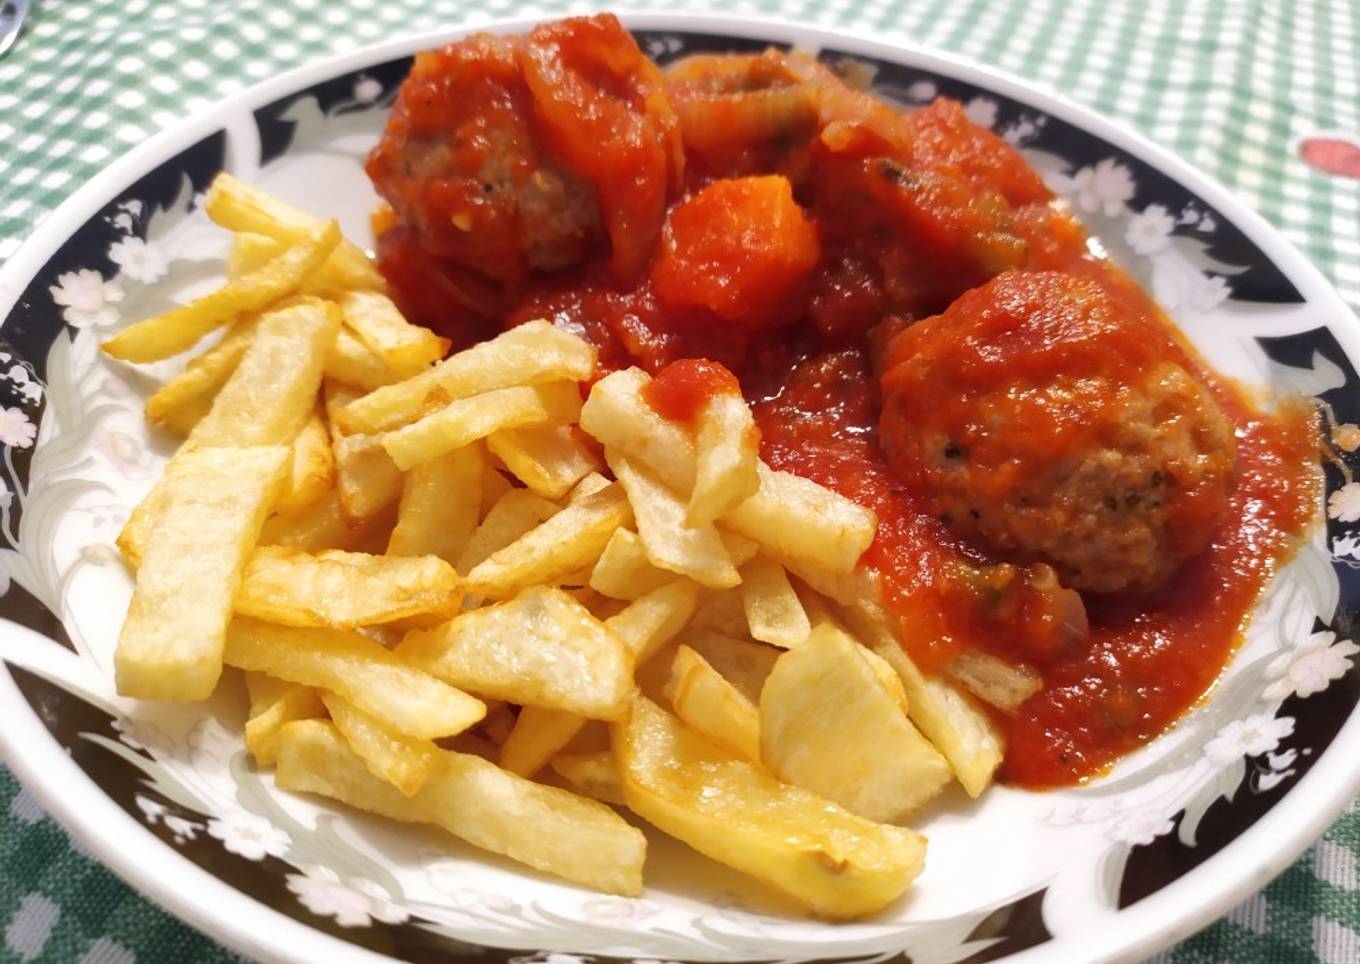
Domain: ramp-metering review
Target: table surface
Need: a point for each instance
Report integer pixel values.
(1231, 86)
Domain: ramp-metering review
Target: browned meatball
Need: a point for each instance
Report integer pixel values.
(1048, 420)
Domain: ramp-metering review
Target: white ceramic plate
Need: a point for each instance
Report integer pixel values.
(166, 796)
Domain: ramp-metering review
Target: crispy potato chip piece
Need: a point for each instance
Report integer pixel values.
(440, 504)
(618, 416)
(373, 317)
(181, 328)
(214, 504)
(183, 401)
(726, 446)
(563, 544)
(403, 761)
(515, 514)
(834, 863)
(548, 459)
(828, 725)
(623, 570)
(741, 662)
(547, 828)
(594, 775)
(774, 612)
(344, 589)
(541, 648)
(801, 520)
(274, 703)
(644, 626)
(993, 680)
(965, 734)
(240, 207)
(312, 471)
(362, 671)
(469, 419)
(323, 525)
(535, 353)
(694, 551)
(710, 705)
(350, 362)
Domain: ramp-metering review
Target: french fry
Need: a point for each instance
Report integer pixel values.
(993, 680)
(710, 705)
(726, 445)
(366, 477)
(214, 504)
(535, 353)
(312, 469)
(722, 610)
(401, 760)
(834, 863)
(801, 520)
(645, 627)
(623, 570)
(547, 828)
(828, 725)
(741, 549)
(181, 328)
(251, 251)
(182, 402)
(966, 735)
(594, 775)
(344, 589)
(494, 487)
(741, 662)
(323, 525)
(541, 648)
(592, 483)
(548, 459)
(440, 503)
(240, 207)
(274, 703)
(376, 321)
(694, 551)
(563, 544)
(469, 419)
(514, 515)
(619, 418)
(774, 612)
(355, 667)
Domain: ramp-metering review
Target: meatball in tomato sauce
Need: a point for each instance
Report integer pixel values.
(1046, 420)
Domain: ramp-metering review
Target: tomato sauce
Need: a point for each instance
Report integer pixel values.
(753, 214)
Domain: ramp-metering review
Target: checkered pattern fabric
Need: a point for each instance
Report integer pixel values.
(1262, 94)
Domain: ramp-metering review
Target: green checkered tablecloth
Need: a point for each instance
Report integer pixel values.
(1231, 86)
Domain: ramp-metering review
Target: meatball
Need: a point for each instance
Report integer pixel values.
(1049, 418)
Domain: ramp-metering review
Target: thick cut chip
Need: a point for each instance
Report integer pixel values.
(694, 551)
(324, 525)
(240, 207)
(181, 328)
(214, 503)
(594, 775)
(569, 541)
(548, 459)
(741, 662)
(273, 703)
(535, 353)
(965, 734)
(774, 612)
(834, 863)
(373, 317)
(547, 828)
(515, 514)
(722, 610)
(741, 549)
(618, 416)
(710, 705)
(362, 671)
(541, 648)
(623, 570)
(799, 519)
(726, 446)
(591, 484)
(828, 725)
(367, 478)
(440, 503)
(182, 402)
(993, 680)
(312, 472)
(251, 251)
(469, 419)
(350, 362)
(644, 626)
(344, 589)
(401, 760)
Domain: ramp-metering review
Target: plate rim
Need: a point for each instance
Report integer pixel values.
(1141, 928)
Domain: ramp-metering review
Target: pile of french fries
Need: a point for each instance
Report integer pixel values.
(492, 593)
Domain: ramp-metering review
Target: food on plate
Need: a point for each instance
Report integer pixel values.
(718, 442)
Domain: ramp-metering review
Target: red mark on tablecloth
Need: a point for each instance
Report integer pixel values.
(1339, 155)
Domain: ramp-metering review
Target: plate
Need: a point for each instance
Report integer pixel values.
(166, 796)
